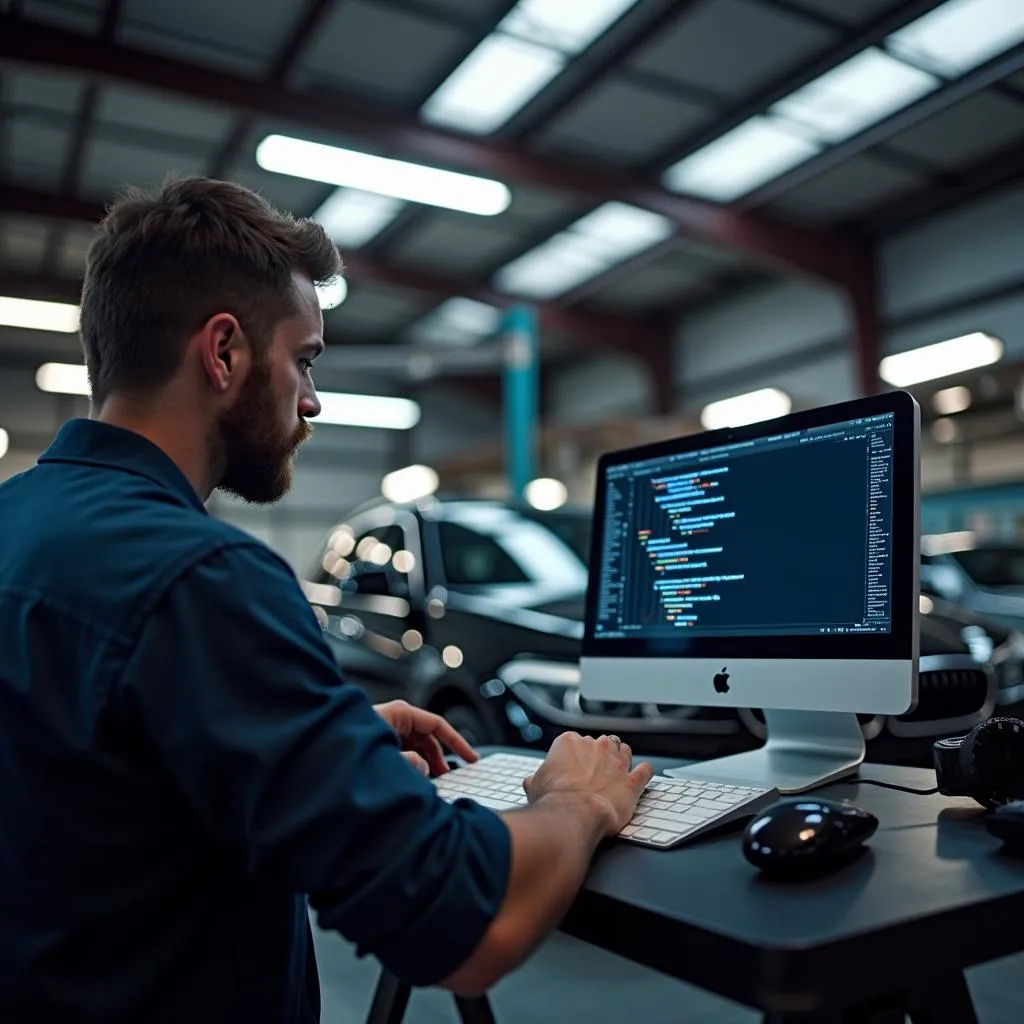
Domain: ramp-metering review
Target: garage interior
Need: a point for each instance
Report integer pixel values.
(683, 214)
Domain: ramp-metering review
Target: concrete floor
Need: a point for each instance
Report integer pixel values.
(568, 980)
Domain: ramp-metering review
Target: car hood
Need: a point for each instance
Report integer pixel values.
(573, 607)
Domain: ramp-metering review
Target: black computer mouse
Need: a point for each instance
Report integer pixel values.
(1007, 823)
(806, 837)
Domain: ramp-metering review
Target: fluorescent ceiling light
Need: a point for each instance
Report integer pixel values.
(367, 411)
(457, 321)
(63, 379)
(408, 484)
(333, 293)
(498, 78)
(958, 355)
(546, 494)
(569, 27)
(381, 175)
(610, 234)
(38, 316)
(856, 94)
(5, 442)
(950, 401)
(960, 35)
(754, 407)
(740, 160)
(352, 217)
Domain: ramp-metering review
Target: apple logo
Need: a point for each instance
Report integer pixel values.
(721, 681)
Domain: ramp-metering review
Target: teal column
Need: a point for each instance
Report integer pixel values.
(521, 388)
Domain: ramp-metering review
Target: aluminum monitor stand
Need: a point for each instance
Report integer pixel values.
(804, 750)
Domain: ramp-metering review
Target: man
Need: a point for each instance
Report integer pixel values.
(181, 765)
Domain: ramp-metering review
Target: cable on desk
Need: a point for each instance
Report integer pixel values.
(890, 785)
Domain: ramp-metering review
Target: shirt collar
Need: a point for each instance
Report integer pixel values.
(91, 443)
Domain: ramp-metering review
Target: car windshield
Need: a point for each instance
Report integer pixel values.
(994, 567)
(572, 528)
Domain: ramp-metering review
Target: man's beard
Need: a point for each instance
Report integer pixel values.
(255, 452)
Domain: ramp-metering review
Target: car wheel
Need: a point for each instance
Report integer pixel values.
(468, 723)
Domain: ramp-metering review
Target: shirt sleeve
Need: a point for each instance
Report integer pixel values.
(289, 765)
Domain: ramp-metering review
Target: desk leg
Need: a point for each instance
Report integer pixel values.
(474, 1011)
(389, 1000)
(948, 1002)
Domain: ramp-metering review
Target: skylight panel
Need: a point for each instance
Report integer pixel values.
(960, 35)
(566, 25)
(737, 162)
(855, 95)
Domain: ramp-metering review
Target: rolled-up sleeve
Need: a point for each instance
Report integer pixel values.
(291, 768)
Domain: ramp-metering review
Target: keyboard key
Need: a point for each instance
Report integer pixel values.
(663, 838)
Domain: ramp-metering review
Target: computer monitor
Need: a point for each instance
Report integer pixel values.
(771, 566)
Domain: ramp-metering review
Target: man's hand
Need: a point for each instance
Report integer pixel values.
(423, 736)
(582, 766)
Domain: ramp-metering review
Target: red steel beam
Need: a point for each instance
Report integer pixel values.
(585, 329)
(298, 39)
(866, 322)
(814, 253)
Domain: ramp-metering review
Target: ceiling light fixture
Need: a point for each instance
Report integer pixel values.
(546, 494)
(63, 379)
(765, 404)
(36, 315)
(382, 175)
(404, 485)
(950, 401)
(944, 359)
(378, 411)
(5, 442)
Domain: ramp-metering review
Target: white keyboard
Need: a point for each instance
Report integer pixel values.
(669, 812)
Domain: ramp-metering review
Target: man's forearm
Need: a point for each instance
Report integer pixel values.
(552, 844)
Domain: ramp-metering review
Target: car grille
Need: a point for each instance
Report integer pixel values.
(949, 693)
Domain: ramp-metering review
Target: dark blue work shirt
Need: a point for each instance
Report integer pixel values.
(181, 764)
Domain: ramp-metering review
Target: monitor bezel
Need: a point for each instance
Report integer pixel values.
(898, 644)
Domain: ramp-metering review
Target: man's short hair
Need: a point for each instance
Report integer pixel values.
(164, 262)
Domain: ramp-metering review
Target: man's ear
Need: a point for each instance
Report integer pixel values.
(224, 349)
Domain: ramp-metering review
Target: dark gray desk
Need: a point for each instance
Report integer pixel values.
(887, 936)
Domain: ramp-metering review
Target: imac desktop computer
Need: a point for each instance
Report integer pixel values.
(770, 566)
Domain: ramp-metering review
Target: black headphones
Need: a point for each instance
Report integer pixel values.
(987, 764)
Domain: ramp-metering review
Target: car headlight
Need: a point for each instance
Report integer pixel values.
(979, 643)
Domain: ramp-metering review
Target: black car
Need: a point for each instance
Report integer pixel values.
(474, 609)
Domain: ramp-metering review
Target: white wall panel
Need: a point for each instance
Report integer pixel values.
(772, 322)
(959, 253)
(591, 389)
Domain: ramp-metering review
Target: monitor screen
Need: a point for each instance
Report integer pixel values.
(784, 535)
